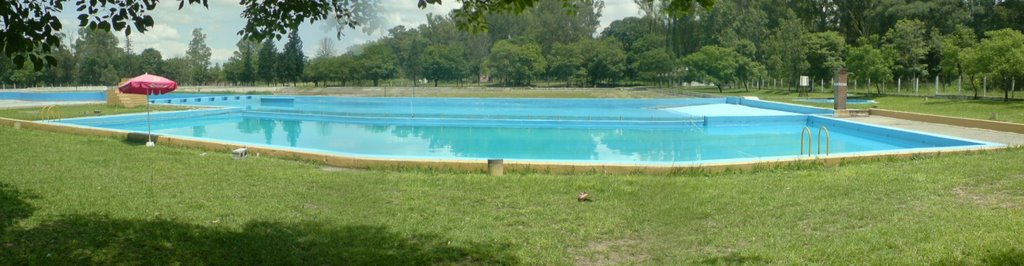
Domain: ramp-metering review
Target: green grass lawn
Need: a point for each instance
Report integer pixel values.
(979, 109)
(67, 199)
(70, 111)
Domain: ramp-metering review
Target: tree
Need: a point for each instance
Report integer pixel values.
(26, 76)
(786, 51)
(868, 62)
(408, 46)
(604, 60)
(644, 44)
(826, 52)
(345, 68)
(150, 61)
(325, 49)
(198, 56)
(580, 23)
(319, 69)
(96, 50)
(907, 38)
(654, 65)
(240, 68)
(266, 62)
(627, 31)
(715, 64)
(177, 68)
(217, 75)
(31, 28)
(378, 62)
(128, 65)
(64, 72)
(292, 59)
(565, 61)
(1000, 55)
(443, 63)
(516, 64)
(749, 70)
(952, 46)
(110, 76)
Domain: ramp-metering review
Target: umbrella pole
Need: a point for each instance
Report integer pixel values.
(149, 127)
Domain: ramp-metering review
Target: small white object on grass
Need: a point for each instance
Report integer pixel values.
(584, 196)
(240, 153)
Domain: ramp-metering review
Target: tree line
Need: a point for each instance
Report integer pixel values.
(97, 57)
(735, 43)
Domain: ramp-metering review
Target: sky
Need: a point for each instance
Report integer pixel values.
(172, 29)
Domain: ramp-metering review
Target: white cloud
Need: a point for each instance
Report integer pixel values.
(161, 37)
(220, 55)
(616, 10)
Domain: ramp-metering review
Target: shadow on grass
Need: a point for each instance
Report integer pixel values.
(1010, 256)
(89, 239)
(12, 207)
(94, 239)
(139, 139)
(735, 259)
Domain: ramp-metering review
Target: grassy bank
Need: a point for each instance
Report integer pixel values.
(979, 109)
(71, 111)
(105, 201)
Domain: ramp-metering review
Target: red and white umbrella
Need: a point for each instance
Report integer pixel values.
(148, 84)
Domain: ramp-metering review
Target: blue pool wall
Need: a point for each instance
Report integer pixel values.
(136, 118)
(816, 122)
(200, 99)
(792, 108)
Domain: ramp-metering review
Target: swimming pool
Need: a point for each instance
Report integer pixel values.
(79, 96)
(649, 131)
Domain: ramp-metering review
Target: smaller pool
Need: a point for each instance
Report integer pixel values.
(96, 96)
(830, 100)
(54, 96)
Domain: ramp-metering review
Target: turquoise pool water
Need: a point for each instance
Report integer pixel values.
(618, 131)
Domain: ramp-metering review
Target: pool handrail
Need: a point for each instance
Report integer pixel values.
(828, 140)
(809, 140)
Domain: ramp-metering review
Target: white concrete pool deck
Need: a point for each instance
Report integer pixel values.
(1009, 138)
(725, 109)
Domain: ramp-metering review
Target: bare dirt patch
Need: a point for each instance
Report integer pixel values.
(999, 194)
(611, 252)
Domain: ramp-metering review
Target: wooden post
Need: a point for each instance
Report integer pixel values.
(495, 167)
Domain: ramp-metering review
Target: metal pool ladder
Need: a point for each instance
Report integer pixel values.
(828, 140)
(51, 113)
(807, 131)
